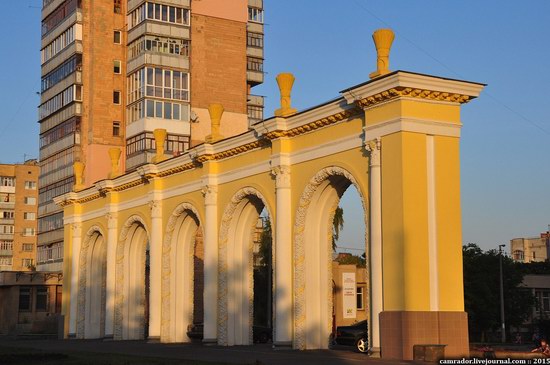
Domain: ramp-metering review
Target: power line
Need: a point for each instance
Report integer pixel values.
(441, 63)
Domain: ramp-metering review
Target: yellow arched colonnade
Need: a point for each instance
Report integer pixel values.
(129, 239)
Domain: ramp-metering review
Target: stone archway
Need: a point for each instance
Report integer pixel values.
(312, 243)
(92, 285)
(177, 290)
(236, 291)
(130, 297)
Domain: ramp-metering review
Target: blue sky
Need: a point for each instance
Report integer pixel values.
(328, 46)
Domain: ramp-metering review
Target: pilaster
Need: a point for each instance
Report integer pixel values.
(283, 257)
(112, 239)
(76, 233)
(155, 259)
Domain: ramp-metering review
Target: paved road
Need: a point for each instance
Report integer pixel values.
(237, 355)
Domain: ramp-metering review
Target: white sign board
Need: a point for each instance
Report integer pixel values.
(349, 299)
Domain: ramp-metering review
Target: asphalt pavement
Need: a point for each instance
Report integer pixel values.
(258, 354)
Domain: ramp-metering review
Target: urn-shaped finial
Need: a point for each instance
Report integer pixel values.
(160, 138)
(78, 168)
(114, 155)
(285, 82)
(383, 39)
(216, 112)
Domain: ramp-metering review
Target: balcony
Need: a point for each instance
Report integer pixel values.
(10, 221)
(6, 267)
(49, 255)
(254, 77)
(6, 236)
(255, 108)
(138, 159)
(59, 145)
(6, 248)
(7, 189)
(7, 205)
(50, 237)
(162, 29)
(160, 59)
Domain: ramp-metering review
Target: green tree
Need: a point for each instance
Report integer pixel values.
(337, 226)
(482, 295)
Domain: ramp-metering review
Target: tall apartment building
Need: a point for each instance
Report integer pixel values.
(113, 71)
(531, 249)
(18, 208)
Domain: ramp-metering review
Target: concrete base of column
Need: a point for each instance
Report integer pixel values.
(210, 341)
(109, 338)
(153, 339)
(401, 330)
(375, 352)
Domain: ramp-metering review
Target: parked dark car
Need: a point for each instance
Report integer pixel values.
(355, 335)
(259, 334)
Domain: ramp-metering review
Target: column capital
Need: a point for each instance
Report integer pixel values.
(76, 228)
(282, 176)
(111, 220)
(156, 208)
(374, 147)
(210, 193)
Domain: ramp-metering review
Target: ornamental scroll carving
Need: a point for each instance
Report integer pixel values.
(299, 247)
(167, 267)
(223, 265)
(119, 276)
(82, 281)
(282, 176)
(374, 147)
(210, 193)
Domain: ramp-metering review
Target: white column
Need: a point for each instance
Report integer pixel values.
(76, 231)
(210, 301)
(155, 262)
(376, 295)
(283, 258)
(112, 238)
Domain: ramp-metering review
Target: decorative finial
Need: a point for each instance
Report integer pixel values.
(160, 138)
(216, 112)
(114, 155)
(78, 168)
(285, 82)
(383, 39)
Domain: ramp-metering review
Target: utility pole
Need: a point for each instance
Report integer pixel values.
(503, 339)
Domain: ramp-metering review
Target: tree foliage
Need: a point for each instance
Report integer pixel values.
(337, 226)
(482, 291)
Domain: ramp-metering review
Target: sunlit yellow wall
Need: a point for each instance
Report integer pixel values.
(449, 227)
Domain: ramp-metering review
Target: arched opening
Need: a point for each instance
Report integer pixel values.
(186, 270)
(94, 326)
(315, 284)
(241, 232)
(135, 306)
(262, 329)
(349, 269)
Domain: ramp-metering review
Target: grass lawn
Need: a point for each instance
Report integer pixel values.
(27, 356)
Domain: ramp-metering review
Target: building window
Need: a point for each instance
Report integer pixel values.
(8, 215)
(117, 7)
(117, 68)
(518, 255)
(158, 44)
(27, 263)
(64, 98)
(116, 129)
(158, 12)
(116, 97)
(6, 246)
(61, 42)
(256, 15)
(28, 247)
(25, 299)
(7, 181)
(30, 185)
(61, 72)
(28, 232)
(255, 40)
(255, 64)
(255, 113)
(42, 298)
(117, 37)
(159, 83)
(29, 200)
(6, 229)
(360, 300)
